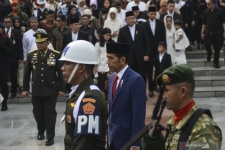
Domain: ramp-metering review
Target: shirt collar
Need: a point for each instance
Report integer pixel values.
(120, 74)
(73, 90)
(133, 27)
(75, 33)
(170, 13)
(152, 21)
(161, 54)
(7, 29)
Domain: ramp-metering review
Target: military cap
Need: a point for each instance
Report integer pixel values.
(176, 74)
(74, 20)
(117, 48)
(129, 13)
(152, 9)
(135, 8)
(2, 25)
(41, 37)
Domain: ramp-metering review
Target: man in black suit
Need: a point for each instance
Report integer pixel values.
(136, 36)
(156, 32)
(73, 36)
(141, 17)
(2, 12)
(170, 8)
(17, 56)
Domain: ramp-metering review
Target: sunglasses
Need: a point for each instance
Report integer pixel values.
(7, 22)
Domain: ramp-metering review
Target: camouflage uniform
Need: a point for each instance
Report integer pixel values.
(57, 37)
(23, 16)
(205, 131)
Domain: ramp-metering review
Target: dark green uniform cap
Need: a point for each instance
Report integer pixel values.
(176, 74)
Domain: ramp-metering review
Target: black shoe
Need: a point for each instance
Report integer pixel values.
(41, 136)
(216, 66)
(49, 142)
(4, 108)
(209, 58)
(151, 94)
(13, 95)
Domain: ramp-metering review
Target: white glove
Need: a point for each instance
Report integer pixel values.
(63, 118)
(1, 98)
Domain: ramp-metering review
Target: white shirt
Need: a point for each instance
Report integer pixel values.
(120, 75)
(170, 13)
(180, 4)
(152, 26)
(74, 36)
(36, 11)
(73, 90)
(132, 31)
(28, 41)
(9, 32)
(161, 56)
(141, 5)
(122, 16)
(102, 59)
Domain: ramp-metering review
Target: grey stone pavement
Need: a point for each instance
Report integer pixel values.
(18, 127)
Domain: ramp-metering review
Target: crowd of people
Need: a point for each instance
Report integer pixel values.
(158, 34)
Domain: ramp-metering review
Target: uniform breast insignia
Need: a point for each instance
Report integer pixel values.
(34, 59)
(56, 51)
(89, 108)
(166, 79)
(68, 118)
(13, 39)
(175, 139)
(34, 67)
(51, 61)
(72, 104)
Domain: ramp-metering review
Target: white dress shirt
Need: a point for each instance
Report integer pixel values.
(120, 75)
(73, 90)
(152, 26)
(9, 32)
(74, 36)
(141, 5)
(180, 4)
(122, 15)
(161, 56)
(170, 13)
(132, 31)
(28, 42)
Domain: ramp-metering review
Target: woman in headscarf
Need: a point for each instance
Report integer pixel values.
(113, 23)
(104, 12)
(18, 26)
(82, 6)
(94, 8)
(169, 26)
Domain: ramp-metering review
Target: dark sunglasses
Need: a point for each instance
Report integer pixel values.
(7, 22)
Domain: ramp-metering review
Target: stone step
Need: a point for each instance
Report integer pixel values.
(202, 62)
(212, 91)
(199, 54)
(208, 71)
(206, 81)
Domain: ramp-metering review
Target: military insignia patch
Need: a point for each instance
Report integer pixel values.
(39, 36)
(68, 118)
(72, 104)
(89, 108)
(85, 100)
(166, 79)
(34, 67)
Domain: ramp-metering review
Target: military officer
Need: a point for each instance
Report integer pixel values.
(47, 82)
(203, 131)
(86, 110)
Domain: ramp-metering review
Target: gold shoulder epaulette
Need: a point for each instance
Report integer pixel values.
(56, 51)
(32, 51)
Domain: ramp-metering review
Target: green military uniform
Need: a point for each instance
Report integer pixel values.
(85, 141)
(23, 16)
(47, 80)
(205, 131)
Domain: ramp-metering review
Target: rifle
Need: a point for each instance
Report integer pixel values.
(155, 133)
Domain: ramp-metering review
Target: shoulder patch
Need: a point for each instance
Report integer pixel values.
(56, 51)
(89, 108)
(85, 100)
(32, 51)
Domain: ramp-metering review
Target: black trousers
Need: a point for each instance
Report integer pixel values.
(45, 114)
(103, 83)
(189, 32)
(140, 69)
(3, 85)
(13, 77)
(213, 38)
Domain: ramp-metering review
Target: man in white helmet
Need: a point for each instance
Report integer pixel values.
(86, 110)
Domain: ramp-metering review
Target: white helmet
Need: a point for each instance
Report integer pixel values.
(80, 51)
(41, 1)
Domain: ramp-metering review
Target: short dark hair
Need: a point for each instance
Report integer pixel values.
(117, 3)
(178, 22)
(62, 17)
(49, 12)
(163, 44)
(170, 2)
(7, 17)
(123, 55)
(84, 16)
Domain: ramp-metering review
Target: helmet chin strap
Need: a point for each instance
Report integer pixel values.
(72, 73)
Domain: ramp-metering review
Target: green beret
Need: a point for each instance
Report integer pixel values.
(176, 74)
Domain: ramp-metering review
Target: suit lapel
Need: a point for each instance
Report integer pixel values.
(121, 85)
(128, 31)
(70, 37)
(149, 27)
(110, 90)
(79, 35)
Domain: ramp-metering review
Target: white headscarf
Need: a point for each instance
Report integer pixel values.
(88, 12)
(81, 8)
(113, 24)
(172, 24)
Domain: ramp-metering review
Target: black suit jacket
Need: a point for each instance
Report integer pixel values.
(140, 47)
(176, 16)
(159, 34)
(17, 46)
(164, 64)
(188, 12)
(2, 12)
(67, 38)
